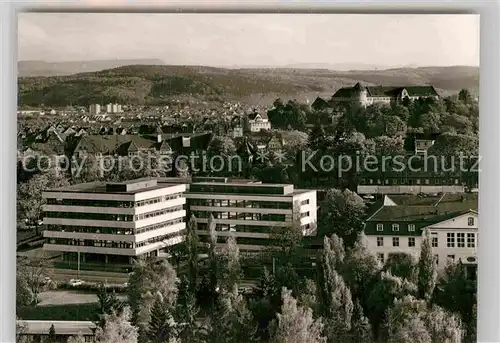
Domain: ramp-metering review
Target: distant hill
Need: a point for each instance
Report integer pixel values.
(42, 68)
(157, 84)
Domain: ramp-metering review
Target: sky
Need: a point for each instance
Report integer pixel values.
(229, 40)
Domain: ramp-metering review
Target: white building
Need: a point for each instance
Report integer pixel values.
(114, 222)
(257, 122)
(250, 211)
(401, 222)
(95, 109)
(113, 108)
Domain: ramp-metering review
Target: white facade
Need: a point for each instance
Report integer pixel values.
(248, 216)
(95, 109)
(409, 189)
(258, 124)
(113, 108)
(452, 240)
(125, 222)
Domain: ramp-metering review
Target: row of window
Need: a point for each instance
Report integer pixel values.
(158, 212)
(411, 227)
(113, 231)
(411, 181)
(241, 203)
(395, 227)
(460, 240)
(395, 241)
(304, 202)
(450, 240)
(112, 203)
(114, 244)
(157, 199)
(112, 217)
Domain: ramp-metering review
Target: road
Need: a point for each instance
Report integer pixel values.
(64, 275)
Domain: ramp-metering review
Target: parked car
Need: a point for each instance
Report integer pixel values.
(75, 282)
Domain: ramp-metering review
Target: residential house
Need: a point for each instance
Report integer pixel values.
(256, 122)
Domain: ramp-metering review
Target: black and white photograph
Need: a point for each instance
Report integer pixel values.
(247, 178)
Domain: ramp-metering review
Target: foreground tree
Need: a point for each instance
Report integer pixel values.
(118, 329)
(76, 339)
(443, 326)
(343, 213)
(231, 266)
(295, 324)
(192, 243)
(405, 322)
(336, 300)
(29, 195)
(427, 270)
(148, 279)
(161, 328)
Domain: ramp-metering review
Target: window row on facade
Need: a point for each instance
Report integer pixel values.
(411, 227)
(243, 216)
(403, 181)
(114, 244)
(241, 203)
(112, 203)
(112, 230)
(463, 240)
(111, 217)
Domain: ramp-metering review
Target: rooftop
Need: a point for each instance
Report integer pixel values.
(428, 209)
(125, 187)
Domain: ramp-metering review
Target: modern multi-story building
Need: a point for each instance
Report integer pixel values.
(113, 108)
(400, 222)
(95, 109)
(250, 211)
(114, 222)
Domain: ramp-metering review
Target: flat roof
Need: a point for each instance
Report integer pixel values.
(101, 187)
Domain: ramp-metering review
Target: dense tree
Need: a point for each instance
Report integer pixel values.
(402, 265)
(231, 266)
(381, 297)
(389, 146)
(76, 339)
(186, 313)
(456, 292)
(29, 195)
(296, 324)
(33, 273)
(465, 96)
(443, 327)
(162, 326)
(361, 330)
(360, 268)
(317, 138)
(192, 243)
(427, 270)
(233, 321)
(213, 257)
(108, 302)
(52, 334)
(342, 214)
(335, 296)
(405, 323)
(149, 278)
(118, 329)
